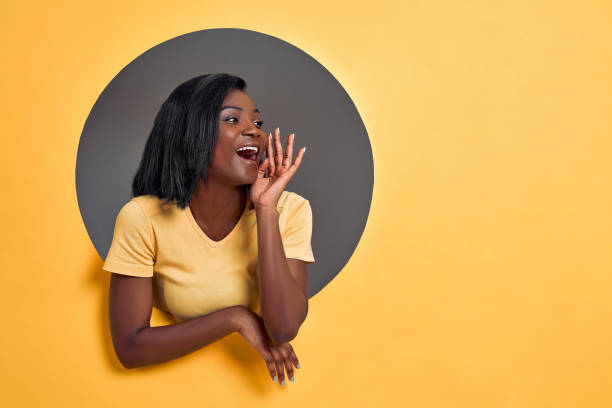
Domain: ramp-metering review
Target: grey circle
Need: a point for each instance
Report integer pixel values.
(293, 91)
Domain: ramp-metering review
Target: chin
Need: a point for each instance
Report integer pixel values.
(246, 180)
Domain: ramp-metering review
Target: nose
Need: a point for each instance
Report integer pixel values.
(252, 130)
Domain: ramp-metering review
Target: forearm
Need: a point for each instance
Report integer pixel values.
(283, 304)
(152, 345)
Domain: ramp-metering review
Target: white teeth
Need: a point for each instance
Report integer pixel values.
(253, 148)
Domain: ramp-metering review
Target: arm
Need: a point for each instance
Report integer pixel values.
(282, 282)
(137, 344)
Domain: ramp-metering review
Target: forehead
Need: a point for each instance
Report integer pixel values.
(239, 98)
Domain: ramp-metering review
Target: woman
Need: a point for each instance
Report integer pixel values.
(208, 237)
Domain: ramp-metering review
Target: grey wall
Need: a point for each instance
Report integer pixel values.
(293, 91)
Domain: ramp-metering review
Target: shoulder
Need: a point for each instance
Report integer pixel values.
(150, 204)
(131, 216)
(138, 211)
(293, 208)
(289, 199)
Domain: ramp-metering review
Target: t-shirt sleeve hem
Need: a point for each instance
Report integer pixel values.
(294, 255)
(126, 269)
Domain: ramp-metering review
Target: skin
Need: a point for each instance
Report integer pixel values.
(217, 207)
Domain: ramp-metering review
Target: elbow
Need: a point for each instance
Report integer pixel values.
(126, 355)
(286, 333)
(284, 336)
(124, 358)
(129, 351)
(126, 365)
(283, 333)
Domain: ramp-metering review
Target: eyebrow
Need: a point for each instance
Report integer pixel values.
(238, 107)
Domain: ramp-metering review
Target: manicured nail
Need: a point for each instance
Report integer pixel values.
(304, 149)
(292, 380)
(299, 365)
(283, 383)
(275, 379)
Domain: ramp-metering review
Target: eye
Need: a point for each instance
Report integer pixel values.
(230, 118)
(259, 123)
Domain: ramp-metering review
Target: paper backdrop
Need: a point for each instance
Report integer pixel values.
(482, 278)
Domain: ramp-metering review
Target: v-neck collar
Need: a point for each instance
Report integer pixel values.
(229, 236)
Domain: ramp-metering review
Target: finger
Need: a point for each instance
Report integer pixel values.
(261, 172)
(293, 356)
(270, 365)
(270, 154)
(297, 162)
(278, 148)
(286, 352)
(288, 152)
(279, 363)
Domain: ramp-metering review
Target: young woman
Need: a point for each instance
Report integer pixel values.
(209, 237)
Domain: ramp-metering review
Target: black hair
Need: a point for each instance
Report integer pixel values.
(180, 145)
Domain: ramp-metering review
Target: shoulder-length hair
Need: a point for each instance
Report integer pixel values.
(180, 145)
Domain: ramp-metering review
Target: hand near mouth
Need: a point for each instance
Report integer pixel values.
(266, 191)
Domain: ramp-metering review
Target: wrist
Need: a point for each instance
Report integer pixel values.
(264, 210)
(238, 314)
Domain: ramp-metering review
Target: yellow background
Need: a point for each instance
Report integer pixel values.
(483, 275)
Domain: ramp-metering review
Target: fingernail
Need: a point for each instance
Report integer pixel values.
(299, 365)
(275, 379)
(292, 380)
(304, 149)
(278, 130)
(283, 383)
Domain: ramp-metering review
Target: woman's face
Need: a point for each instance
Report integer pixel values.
(240, 125)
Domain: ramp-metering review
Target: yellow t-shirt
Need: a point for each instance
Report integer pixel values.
(192, 274)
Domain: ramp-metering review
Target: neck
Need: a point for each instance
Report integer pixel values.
(216, 203)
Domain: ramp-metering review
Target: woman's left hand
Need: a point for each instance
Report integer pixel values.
(266, 191)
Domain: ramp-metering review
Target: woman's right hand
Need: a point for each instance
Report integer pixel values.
(278, 356)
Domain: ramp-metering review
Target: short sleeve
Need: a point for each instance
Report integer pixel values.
(132, 251)
(298, 231)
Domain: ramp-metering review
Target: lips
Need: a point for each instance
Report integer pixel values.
(248, 153)
(247, 157)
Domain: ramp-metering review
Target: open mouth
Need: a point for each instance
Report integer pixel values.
(248, 153)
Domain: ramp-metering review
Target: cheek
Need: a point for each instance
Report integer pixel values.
(222, 160)
(217, 157)
(223, 150)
